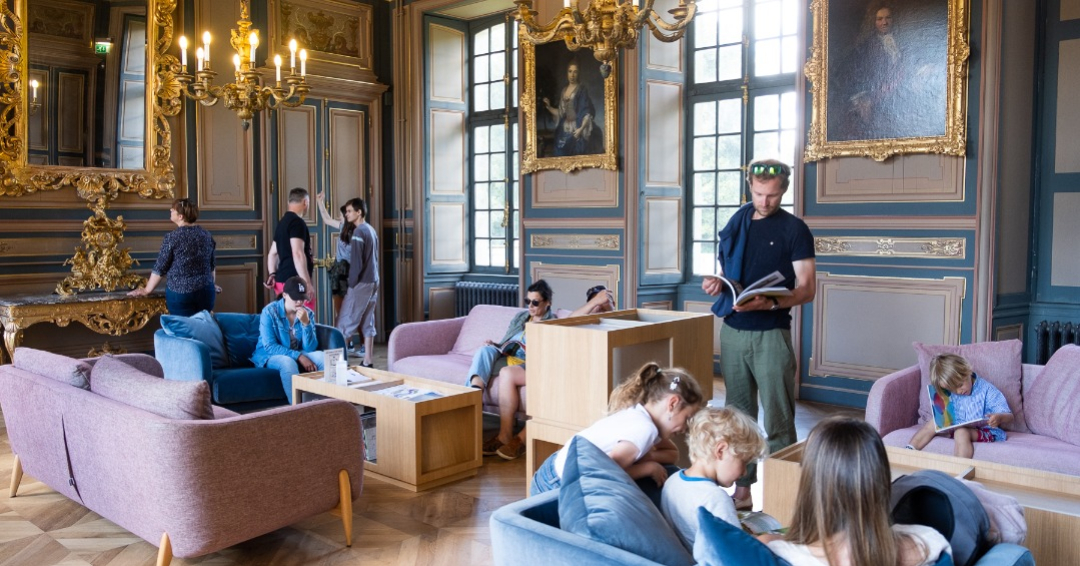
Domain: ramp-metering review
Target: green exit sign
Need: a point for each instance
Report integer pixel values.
(102, 48)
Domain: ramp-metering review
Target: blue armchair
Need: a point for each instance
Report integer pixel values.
(238, 385)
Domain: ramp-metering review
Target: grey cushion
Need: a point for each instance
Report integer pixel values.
(182, 400)
(54, 366)
(200, 326)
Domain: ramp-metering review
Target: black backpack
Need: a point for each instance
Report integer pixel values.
(940, 501)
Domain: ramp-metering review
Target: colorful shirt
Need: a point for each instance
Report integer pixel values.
(983, 400)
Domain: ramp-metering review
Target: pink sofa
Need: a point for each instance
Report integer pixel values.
(191, 487)
(443, 349)
(893, 406)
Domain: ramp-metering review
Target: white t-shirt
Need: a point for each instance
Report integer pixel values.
(683, 495)
(931, 541)
(633, 425)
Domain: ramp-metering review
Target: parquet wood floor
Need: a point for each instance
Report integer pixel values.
(446, 526)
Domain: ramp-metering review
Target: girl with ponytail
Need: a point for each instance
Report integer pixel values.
(643, 412)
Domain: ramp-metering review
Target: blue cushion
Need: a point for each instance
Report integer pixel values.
(720, 543)
(241, 385)
(200, 326)
(599, 501)
(241, 333)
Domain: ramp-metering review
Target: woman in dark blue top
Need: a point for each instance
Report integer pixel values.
(186, 259)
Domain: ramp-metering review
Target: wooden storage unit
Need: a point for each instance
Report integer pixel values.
(1051, 501)
(420, 444)
(575, 363)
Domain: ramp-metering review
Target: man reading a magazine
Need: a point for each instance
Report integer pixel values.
(758, 359)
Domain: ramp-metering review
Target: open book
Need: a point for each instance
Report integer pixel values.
(771, 286)
(757, 523)
(512, 348)
(945, 414)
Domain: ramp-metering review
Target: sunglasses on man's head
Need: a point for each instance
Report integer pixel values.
(533, 303)
(763, 169)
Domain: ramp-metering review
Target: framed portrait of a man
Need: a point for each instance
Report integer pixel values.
(569, 110)
(888, 78)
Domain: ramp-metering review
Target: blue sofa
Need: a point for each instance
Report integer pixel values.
(240, 386)
(527, 532)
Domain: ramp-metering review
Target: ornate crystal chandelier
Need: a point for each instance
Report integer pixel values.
(246, 94)
(605, 26)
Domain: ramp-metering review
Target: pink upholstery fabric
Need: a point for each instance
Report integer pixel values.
(485, 322)
(1054, 401)
(142, 362)
(893, 402)
(430, 337)
(997, 362)
(54, 366)
(1021, 449)
(116, 380)
(450, 368)
(223, 413)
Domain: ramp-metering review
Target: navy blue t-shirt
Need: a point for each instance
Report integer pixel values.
(773, 243)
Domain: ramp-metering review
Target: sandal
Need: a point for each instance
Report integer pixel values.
(491, 446)
(363, 365)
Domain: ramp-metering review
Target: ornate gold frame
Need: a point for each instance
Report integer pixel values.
(954, 142)
(530, 162)
(98, 263)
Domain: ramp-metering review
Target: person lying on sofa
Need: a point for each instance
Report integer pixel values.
(506, 444)
(287, 339)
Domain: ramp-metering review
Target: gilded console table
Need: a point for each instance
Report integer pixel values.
(114, 314)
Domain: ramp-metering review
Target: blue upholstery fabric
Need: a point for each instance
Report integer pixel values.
(182, 358)
(598, 500)
(241, 332)
(719, 543)
(240, 385)
(202, 327)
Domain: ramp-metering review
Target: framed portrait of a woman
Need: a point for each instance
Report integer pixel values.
(569, 110)
(888, 77)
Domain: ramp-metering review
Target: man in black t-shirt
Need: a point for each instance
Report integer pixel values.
(757, 358)
(290, 254)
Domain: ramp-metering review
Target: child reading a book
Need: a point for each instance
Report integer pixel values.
(721, 443)
(842, 508)
(972, 398)
(643, 412)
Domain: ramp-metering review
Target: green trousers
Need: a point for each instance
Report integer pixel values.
(761, 364)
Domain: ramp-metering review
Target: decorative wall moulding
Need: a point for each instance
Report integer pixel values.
(605, 242)
(856, 246)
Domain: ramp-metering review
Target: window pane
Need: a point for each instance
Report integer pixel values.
(704, 258)
(766, 145)
(766, 20)
(787, 146)
(788, 54)
(517, 254)
(767, 58)
(729, 188)
(498, 195)
(704, 118)
(730, 116)
(480, 139)
(514, 137)
(730, 63)
(515, 198)
(498, 66)
(788, 119)
(498, 96)
(704, 188)
(731, 26)
(514, 91)
(704, 154)
(480, 69)
(482, 219)
(480, 42)
(483, 254)
(498, 138)
(723, 215)
(480, 192)
(728, 150)
(480, 168)
(791, 17)
(497, 229)
(498, 167)
(516, 227)
(705, 66)
(498, 253)
(480, 98)
(767, 112)
(704, 223)
(498, 37)
(705, 29)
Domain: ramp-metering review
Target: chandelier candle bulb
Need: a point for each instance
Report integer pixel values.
(303, 62)
(199, 56)
(236, 61)
(292, 55)
(206, 48)
(183, 53)
(33, 87)
(566, 4)
(277, 65)
(253, 39)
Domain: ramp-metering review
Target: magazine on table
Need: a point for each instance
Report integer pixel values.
(409, 393)
(770, 286)
(944, 412)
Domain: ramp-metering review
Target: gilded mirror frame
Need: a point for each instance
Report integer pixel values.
(98, 263)
(954, 139)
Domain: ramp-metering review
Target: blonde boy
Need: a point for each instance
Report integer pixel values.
(722, 442)
(972, 398)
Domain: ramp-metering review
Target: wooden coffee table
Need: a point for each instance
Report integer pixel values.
(1051, 501)
(420, 444)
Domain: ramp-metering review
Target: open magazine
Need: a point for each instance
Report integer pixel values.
(771, 286)
(757, 523)
(512, 348)
(945, 413)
